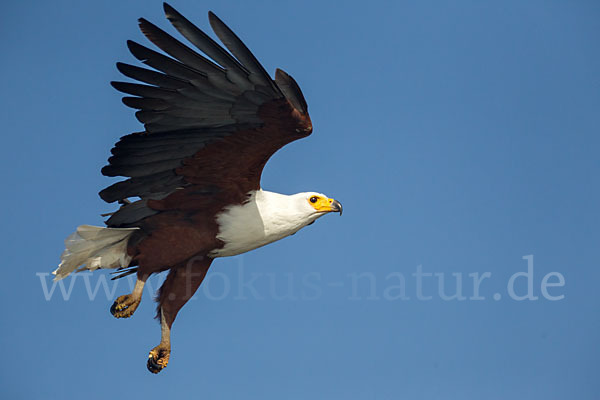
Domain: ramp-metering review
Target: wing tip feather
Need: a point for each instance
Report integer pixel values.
(168, 9)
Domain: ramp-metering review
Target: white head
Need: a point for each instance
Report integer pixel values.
(312, 204)
(294, 211)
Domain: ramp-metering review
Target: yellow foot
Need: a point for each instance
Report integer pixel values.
(158, 358)
(124, 306)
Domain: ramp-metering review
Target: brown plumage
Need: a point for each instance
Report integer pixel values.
(224, 163)
(210, 126)
(221, 171)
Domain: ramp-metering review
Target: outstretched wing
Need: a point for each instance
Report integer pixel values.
(211, 122)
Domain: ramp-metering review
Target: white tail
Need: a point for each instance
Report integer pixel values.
(93, 247)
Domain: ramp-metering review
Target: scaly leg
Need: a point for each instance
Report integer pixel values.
(159, 356)
(124, 306)
(180, 285)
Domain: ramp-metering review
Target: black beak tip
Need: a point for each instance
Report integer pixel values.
(337, 207)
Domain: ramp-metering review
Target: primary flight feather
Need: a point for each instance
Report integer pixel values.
(211, 122)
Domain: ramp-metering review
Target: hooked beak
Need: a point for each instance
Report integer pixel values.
(336, 206)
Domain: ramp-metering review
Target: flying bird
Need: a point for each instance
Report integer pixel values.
(192, 191)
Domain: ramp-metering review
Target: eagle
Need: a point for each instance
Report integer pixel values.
(192, 191)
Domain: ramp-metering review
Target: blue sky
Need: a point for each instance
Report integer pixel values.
(460, 137)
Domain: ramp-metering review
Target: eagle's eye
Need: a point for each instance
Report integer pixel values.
(314, 199)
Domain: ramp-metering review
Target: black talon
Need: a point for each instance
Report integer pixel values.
(153, 366)
(124, 306)
(157, 360)
(113, 308)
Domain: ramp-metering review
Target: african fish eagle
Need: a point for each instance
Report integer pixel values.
(210, 125)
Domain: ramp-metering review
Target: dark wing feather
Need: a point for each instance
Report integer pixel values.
(152, 77)
(145, 186)
(163, 63)
(211, 122)
(241, 52)
(235, 71)
(178, 50)
(291, 90)
(131, 213)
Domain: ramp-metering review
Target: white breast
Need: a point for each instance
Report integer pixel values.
(265, 218)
